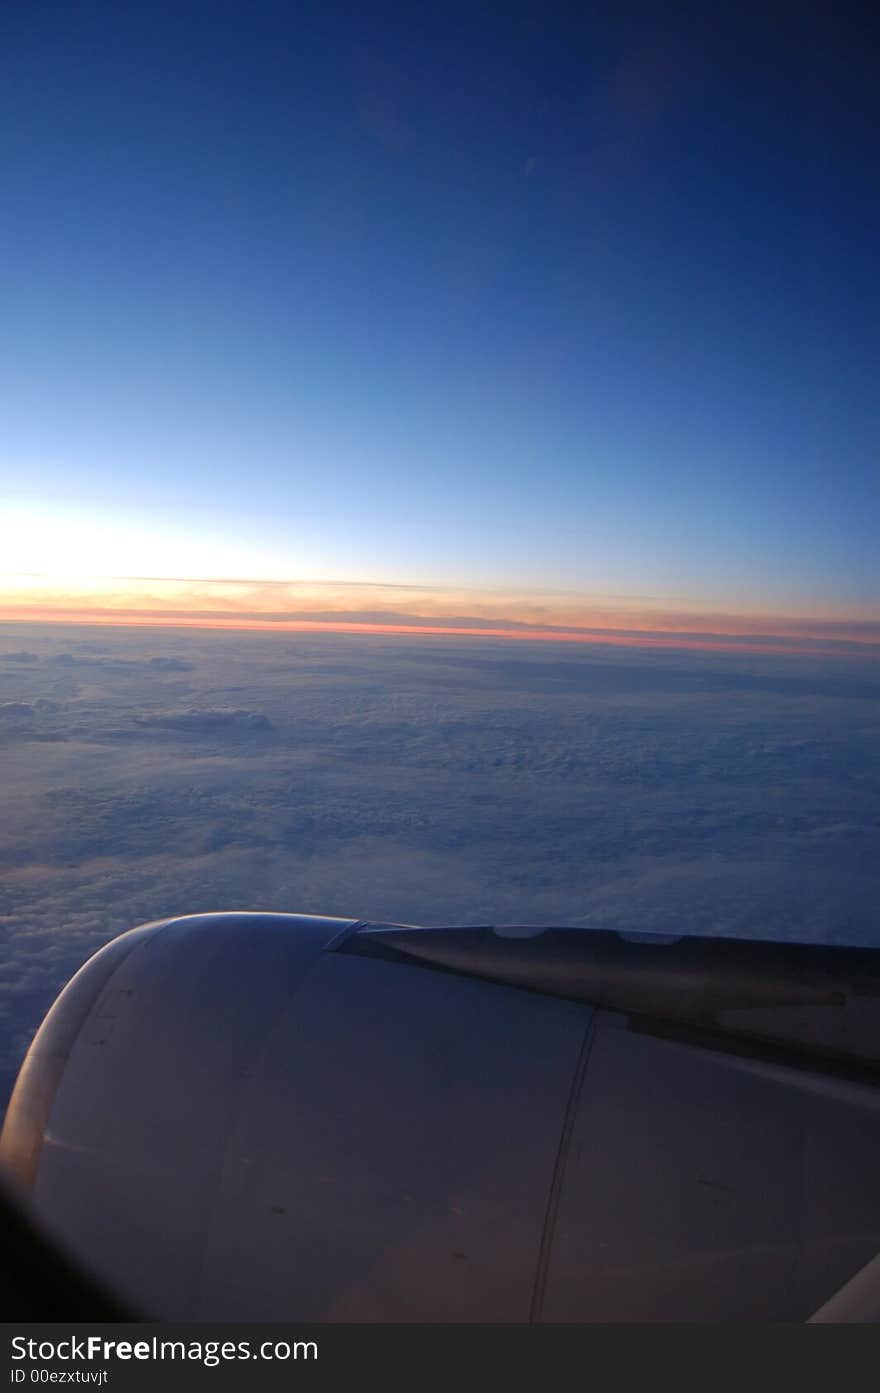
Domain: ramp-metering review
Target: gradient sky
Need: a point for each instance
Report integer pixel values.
(522, 297)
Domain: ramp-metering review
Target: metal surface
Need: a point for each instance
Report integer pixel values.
(703, 1187)
(282, 1117)
(130, 1151)
(819, 1002)
(27, 1115)
(393, 1157)
(857, 1302)
(250, 1128)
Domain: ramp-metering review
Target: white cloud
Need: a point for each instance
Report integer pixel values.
(438, 780)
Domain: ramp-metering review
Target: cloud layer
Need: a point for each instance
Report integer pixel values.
(435, 780)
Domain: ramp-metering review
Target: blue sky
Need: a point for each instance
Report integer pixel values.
(505, 296)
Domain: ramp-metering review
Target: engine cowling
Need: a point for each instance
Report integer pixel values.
(245, 1117)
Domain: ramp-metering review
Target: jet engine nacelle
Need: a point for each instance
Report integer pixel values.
(241, 1117)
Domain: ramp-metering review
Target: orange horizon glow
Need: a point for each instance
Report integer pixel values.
(637, 639)
(262, 605)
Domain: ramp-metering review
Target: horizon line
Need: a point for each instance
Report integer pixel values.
(778, 644)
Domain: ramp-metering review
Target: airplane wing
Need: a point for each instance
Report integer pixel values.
(241, 1117)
